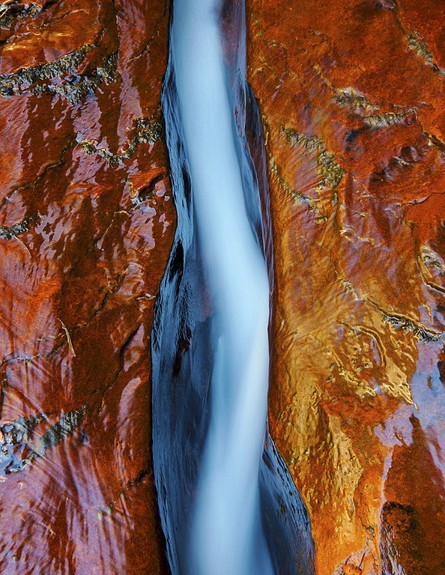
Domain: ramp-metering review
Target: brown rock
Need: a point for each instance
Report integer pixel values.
(86, 224)
(351, 94)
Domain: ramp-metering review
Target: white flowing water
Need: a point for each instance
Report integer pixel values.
(226, 537)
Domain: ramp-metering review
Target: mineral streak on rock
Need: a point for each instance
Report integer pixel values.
(14, 83)
(17, 450)
(84, 241)
(146, 131)
(73, 88)
(357, 396)
(329, 170)
(14, 10)
(8, 233)
(354, 100)
(417, 43)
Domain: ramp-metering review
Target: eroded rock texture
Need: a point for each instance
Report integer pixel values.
(352, 97)
(86, 224)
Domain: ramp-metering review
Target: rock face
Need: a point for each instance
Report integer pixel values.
(352, 95)
(86, 228)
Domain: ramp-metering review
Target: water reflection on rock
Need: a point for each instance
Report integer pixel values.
(350, 95)
(86, 224)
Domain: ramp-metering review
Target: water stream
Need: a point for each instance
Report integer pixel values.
(227, 503)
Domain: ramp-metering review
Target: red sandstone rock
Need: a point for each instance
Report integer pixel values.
(352, 101)
(87, 222)
(352, 97)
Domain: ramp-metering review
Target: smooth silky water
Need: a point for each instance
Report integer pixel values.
(226, 536)
(227, 503)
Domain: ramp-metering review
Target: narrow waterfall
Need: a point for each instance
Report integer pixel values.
(227, 503)
(226, 535)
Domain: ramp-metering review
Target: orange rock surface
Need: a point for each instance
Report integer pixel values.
(352, 100)
(86, 224)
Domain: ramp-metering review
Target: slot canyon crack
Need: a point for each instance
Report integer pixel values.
(227, 502)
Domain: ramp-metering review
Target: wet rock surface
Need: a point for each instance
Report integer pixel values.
(352, 95)
(352, 98)
(86, 225)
